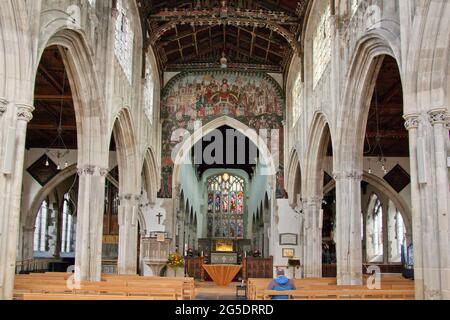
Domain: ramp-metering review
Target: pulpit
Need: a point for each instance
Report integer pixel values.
(222, 274)
(155, 253)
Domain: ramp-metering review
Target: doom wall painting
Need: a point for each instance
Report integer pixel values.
(191, 100)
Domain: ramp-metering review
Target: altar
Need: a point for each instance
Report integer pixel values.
(222, 274)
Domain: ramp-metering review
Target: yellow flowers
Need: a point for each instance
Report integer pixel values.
(175, 261)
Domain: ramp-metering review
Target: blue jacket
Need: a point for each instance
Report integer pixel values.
(281, 283)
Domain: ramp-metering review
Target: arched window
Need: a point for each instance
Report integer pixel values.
(374, 230)
(397, 238)
(322, 45)
(377, 230)
(41, 228)
(226, 196)
(297, 96)
(124, 37)
(68, 226)
(148, 89)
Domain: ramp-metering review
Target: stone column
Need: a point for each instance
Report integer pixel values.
(348, 227)
(181, 235)
(128, 214)
(91, 201)
(313, 237)
(10, 203)
(385, 230)
(28, 242)
(440, 120)
(266, 240)
(412, 125)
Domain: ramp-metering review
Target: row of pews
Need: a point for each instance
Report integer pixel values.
(392, 288)
(61, 286)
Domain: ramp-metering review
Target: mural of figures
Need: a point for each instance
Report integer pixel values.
(252, 98)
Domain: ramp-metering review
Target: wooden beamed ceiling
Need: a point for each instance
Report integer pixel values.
(52, 101)
(192, 34)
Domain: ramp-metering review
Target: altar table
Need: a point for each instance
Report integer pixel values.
(222, 274)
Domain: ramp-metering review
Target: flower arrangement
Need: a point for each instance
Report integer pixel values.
(175, 262)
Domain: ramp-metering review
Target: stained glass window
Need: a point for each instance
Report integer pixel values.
(226, 207)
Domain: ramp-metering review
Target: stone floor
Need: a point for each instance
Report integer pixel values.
(210, 291)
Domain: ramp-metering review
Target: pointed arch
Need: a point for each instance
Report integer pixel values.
(268, 162)
(294, 178)
(88, 103)
(152, 179)
(127, 155)
(358, 91)
(320, 137)
(382, 187)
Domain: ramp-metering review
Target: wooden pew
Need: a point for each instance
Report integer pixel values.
(60, 297)
(256, 287)
(343, 294)
(159, 288)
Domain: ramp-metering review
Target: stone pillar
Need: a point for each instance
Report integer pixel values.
(28, 242)
(348, 227)
(412, 125)
(128, 221)
(181, 235)
(385, 230)
(10, 202)
(91, 201)
(440, 120)
(313, 237)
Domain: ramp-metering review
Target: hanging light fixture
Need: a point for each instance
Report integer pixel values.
(381, 158)
(59, 140)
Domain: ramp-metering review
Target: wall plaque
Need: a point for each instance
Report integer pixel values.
(288, 239)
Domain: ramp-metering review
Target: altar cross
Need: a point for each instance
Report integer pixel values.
(159, 215)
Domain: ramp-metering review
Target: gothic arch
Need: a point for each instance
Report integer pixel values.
(127, 155)
(152, 180)
(44, 192)
(16, 58)
(358, 92)
(382, 187)
(190, 141)
(294, 180)
(426, 84)
(88, 103)
(320, 136)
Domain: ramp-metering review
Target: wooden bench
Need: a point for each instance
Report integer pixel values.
(340, 294)
(59, 297)
(159, 288)
(256, 287)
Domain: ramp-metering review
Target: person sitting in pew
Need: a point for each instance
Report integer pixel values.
(281, 283)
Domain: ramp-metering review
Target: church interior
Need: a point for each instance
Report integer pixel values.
(193, 149)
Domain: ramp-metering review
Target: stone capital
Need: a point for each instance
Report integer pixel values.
(312, 201)
(3, 104)
(130, 198)
(439, 116)
(411, 121)
(91, 170)
(24, 112)
(348, 175)
(87, 170)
